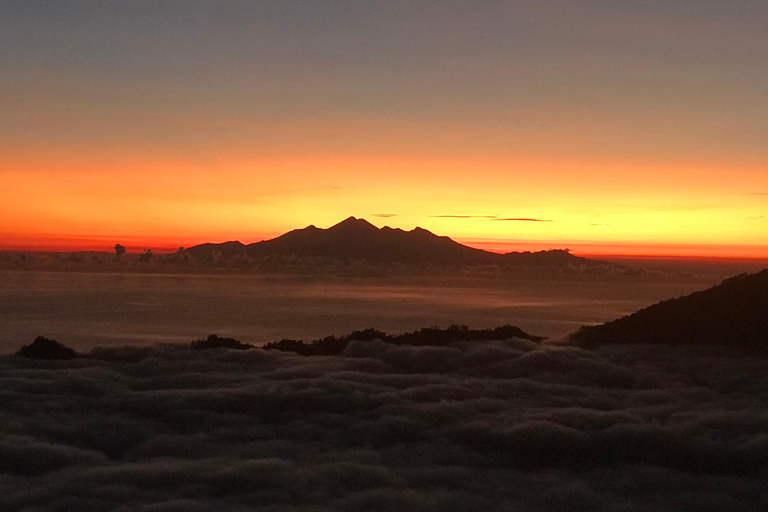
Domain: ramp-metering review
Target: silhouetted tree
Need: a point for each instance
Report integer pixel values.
(119, 250)
(146, 256)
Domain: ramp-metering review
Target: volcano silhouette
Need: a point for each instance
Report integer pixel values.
(358, 239)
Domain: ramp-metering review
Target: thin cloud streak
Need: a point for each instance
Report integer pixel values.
(464, 216)
(524, 219)
(490, 217)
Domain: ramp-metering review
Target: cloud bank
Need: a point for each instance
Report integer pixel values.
(507, 425)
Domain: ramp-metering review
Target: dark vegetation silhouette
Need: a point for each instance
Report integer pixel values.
(44, 348)
(119, 250)
(215, 341)
(357, 239)
(432, 336)
(733, 313)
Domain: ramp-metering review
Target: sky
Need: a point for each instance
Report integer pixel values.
(608, 127)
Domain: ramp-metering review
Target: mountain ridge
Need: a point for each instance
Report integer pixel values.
(357, 239)
(733, 313)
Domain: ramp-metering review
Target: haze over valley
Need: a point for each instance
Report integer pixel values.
(312, 282)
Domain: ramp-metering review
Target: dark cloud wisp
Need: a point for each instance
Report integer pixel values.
(463, 216)
(490, 217)
(523, 219)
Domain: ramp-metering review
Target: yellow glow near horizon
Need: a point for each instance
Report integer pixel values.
(583, 204)
(625, 125)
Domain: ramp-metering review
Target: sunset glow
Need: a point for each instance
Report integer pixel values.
(607, 130)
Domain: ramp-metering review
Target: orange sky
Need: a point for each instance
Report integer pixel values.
(643, 209)
(614, 129)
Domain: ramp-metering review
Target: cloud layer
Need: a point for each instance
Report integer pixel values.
(470, 426)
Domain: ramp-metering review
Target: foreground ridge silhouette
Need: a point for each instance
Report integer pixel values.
(43, 348)
(733, 313)
(215, 341)
(428, 336)
(358, 239)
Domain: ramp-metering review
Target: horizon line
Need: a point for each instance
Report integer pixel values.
(63, 243)
(588, 249)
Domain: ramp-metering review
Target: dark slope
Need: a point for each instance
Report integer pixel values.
(733, 313)
(227, 249)
(357, 239)
(550, 258)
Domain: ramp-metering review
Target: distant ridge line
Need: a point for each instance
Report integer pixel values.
(357, 239)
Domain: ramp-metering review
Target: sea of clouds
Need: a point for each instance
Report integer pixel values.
(472, 426)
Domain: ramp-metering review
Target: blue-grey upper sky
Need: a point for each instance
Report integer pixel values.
(668, 74)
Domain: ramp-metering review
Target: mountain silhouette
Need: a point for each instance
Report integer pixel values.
(358, 239)
(733, 313)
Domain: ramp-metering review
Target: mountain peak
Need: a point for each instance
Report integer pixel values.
(357, 239)
(422, 231)
(354, 223)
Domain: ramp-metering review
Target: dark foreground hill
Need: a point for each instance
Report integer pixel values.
(733, 313)
(358, 240)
